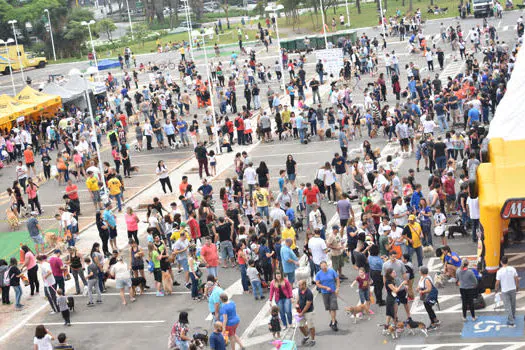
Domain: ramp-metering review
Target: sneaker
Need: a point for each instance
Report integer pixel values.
(438, 322)
(464, 319)
(188, 285)
(511, 325)
(452, 280)
(334, 327)
(305, 339)
(53, 312)
(90, 304)
(159, 294)
(99, 301)
(175, 283)
(431, 327)
(311, 343)
(371, 312)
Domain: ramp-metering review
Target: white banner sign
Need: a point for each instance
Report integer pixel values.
(332, 60)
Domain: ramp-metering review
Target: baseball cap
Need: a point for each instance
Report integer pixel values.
(411, 217)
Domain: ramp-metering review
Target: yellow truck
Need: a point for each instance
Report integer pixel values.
(27, 59)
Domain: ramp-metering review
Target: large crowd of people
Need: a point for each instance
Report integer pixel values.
(271, 235)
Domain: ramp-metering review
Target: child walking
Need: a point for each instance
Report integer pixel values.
(363, 281)
(213, 163)
(275, 323)
(255, 280)
(63, 307)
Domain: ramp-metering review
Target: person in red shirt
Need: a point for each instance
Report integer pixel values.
(450, 192)
(195, 230)
(239, 124)
(183, 185)
(72, 193)
(311, 195)
(211, 256)
(375, 210)
(29, 157)
(123, 121)
(230, 126)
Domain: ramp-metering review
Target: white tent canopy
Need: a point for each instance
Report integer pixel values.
(77, 84)
(65, 94)
(508, 122)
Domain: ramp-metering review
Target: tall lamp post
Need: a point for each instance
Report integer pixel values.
(129, 19)
(9, 41)
(12, 23)
(324, 25)
(274, 9)
(347, 13)
(189, 26)
(76, 72)
(381, 18)
(209, 32)
(51, 32)
(89, 24)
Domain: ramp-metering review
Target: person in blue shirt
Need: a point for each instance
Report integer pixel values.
(416, 198)
(230, 319)
(182, 126)
(217, 341)
(412, 87)
(290, 212)
(327, 280)
(289, 260)
(473, 116)
(214, 293)
(169, 129)
(451, 262)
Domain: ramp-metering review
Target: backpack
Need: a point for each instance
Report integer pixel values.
(6, 280)
(236, 122)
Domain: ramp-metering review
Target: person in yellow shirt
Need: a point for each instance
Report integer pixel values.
(413, 234)
(182, 52)
(115, 191)
(262, 198)
(94, 190)
(289, 232)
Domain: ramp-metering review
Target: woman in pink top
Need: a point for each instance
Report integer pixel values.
(32, 268)
(281, 291)
(116, 158)
(79, 164)
(132, 223)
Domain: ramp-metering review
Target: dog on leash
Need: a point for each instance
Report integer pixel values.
(428, 251)
(167, 282)
(439, 280)
(53, 240)
(356, 310)
(457, 228)
(298, 224)
(413, 326)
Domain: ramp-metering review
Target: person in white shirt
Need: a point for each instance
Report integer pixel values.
(278, 214)
(21, 174)
(318, 248)
(120, 272)
(314, 219)
(250, 177)
(148, 132)
(507, 278)
(401, 213)
(428, 124)
(473, 212)
(49, 282)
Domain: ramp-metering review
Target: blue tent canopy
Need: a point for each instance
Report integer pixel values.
(108, 64)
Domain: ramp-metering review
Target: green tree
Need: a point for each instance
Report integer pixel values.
(140, 32)
(197, 8)
(106, 26)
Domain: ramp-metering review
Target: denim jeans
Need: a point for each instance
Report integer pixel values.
(442, 120)
(257, 289)
(194, 286)
(212, 270)
(285, 309)
(76, 273)
(301, 134)
(291, 277)
(244, 278)
(118, 197)
(475, 226)
(419, 254)
(18, 295)
(59, 281)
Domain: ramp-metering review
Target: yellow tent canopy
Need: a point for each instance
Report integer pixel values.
(40, 100)
(10, 109)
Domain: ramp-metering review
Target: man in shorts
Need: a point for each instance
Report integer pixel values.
(29, 157)
(180, 250)
(327, 280)
(335, 241)
(305, 311)
(94, 190)
(35, 233)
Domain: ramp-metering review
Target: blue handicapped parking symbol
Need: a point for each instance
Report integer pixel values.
(492, 326)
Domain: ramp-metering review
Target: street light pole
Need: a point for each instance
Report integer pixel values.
(324, 25)
(347, 13)
(129, 19)
(88, 24)
(208, 77)
(280, 54)
(190, 27)
(381, 18)
(51, 32)
(12, 22)
(8, 41)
